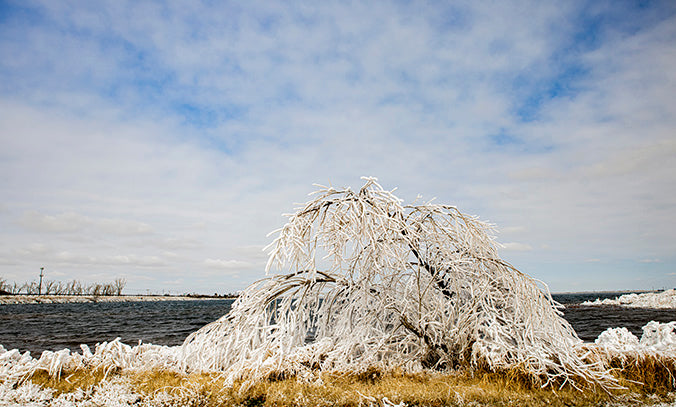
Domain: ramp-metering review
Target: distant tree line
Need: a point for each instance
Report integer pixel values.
(73, 287)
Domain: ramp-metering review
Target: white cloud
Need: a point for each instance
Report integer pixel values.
(179, 243)
(183, 133)
(516, 246)
(253, 252)
(513, 229)
(45, 223)
(8, 262)
(226, 264)
(68, 258)
(74, 223)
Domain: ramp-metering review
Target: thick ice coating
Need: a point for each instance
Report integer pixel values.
(367, 281)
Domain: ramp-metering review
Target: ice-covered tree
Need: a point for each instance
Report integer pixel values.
(369, 282)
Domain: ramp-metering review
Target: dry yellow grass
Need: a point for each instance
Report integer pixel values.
(656, 374)
(425, 389)
(69, 381)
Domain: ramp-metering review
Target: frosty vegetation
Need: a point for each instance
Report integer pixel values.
(369, 282)
(658, 340)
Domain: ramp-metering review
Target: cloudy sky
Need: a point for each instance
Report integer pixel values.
(161, 142)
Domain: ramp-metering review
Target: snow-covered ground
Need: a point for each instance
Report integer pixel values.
(57, 299)
(664, 299)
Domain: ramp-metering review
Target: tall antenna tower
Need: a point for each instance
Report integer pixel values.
(40, 285)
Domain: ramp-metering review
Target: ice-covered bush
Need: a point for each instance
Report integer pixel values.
(369, 282)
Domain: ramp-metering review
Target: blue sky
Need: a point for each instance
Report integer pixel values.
(162, 141)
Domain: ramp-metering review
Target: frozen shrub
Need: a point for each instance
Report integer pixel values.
(369, 282)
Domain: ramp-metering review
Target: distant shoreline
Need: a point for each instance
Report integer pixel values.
(656, 290)
(64, 299)
(6, 299)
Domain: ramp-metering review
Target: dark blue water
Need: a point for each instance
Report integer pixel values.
(589, 322)
(38, 327)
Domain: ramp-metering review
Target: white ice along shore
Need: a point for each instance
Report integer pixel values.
(657, 339)
(664, 299)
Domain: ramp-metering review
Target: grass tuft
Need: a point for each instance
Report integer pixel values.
(647, 374)
(70, 381)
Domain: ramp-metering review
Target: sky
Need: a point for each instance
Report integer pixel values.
(161, 142)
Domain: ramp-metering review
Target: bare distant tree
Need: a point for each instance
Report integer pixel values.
(94, 289)
(60, 288)
(49, 287)
(6, 287)
(74, 287)
(12, 288)
(119, 284)
(108, 289)
(31, 288)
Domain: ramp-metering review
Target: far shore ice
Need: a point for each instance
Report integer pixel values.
(663, 300)
(61, 299)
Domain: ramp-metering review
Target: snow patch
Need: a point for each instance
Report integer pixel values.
(657, 339)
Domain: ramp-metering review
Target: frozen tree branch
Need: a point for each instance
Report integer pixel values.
(369, 282)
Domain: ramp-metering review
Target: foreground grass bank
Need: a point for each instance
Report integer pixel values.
(166, 388)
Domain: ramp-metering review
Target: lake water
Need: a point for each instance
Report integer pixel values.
(38, 327)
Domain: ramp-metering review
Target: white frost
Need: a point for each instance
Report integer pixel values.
(657, 339)
(664, 299)
(113, 354)
(618, 339)
(381, 284)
